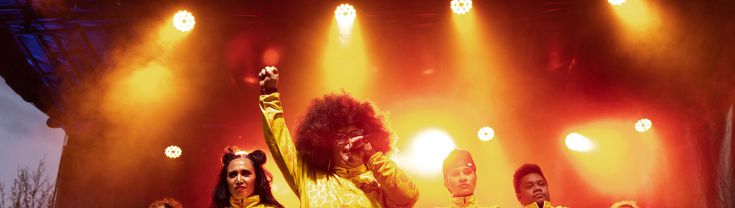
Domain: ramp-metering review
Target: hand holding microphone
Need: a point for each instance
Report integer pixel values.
(359, 144)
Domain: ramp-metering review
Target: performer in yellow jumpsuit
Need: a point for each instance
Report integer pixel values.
(243, 182)
(531, 187)
(338, 159)
(460, 178)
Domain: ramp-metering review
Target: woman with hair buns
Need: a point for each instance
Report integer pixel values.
(243, 182)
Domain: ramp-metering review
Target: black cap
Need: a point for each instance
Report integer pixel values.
(459, 158)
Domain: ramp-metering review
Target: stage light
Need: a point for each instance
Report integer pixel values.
(616, 2)
(345, 14)
(429, 148)
(643, 125)
(173, 152)
(639, 18)
(461, 6)
(184, 21)
(345, 55)
(486, 134)
(579, 143)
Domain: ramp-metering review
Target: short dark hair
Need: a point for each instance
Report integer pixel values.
(524, 170)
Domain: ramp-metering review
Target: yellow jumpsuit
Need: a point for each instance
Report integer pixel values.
(250, 202)
(547, 204)
(379, 184)
(467, 202)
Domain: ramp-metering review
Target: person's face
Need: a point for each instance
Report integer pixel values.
(347, 159)
(461, 181)
(533, 189)
(241, 178)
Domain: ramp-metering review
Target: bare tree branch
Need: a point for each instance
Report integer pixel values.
(31, 189)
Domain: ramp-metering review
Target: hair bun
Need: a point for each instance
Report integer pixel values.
(258, 157)
(229, 154)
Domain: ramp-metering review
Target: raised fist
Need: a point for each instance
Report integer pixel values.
(268, 79)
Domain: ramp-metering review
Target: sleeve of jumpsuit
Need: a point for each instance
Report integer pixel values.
(399, 189)
(279, 142)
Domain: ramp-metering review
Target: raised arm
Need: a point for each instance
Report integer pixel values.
(277, 136)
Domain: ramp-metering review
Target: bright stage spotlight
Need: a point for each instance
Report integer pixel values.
(461, 6)
(485, 134)
(173, 152)
(639, 17)
(616, 2)
(184, 21)
(429, 148)
(345, 14)
(643, 125)
(579, 143)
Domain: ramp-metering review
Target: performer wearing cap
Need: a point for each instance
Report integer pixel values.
(460, 178)
(531, 187)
